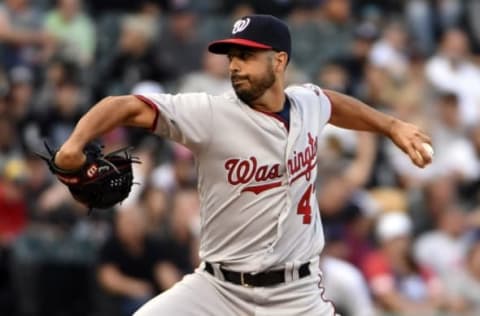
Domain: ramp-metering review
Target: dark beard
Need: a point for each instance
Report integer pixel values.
(258, 86)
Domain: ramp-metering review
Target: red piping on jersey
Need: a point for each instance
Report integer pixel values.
(153, 106)
(322, 295)
(275, 116)
(263, 187)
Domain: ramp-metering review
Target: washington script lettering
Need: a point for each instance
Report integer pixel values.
(243, 171)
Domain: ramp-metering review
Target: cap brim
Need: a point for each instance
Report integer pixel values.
(223, 46)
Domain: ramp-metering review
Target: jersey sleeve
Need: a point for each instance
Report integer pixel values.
(185, 118)
(323, 101)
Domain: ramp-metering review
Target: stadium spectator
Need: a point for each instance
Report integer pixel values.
(470, 190)
(376, 87)
(304, 33)
(451, 70)
(180, 173)
(180, 44)
(57, 71)
(333, 76)
(345, 285)
(59, 117)
(356, 61)
(156, 203)
(133, 60)
(129, 262)
(213, 78)
(389, 52)
(315, 23)
(464, 286)
(399, 283)
(180, 245)
(22, 37)
(74, 31)
(335, 27)
(443, 249)
(9, 144)
(13, 209)
(472, 8)
(21, 92)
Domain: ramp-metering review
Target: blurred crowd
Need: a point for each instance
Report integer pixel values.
(399, 240)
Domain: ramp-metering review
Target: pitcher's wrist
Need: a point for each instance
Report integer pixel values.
(69, 157)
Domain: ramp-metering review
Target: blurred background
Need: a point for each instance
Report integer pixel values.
(400, 240)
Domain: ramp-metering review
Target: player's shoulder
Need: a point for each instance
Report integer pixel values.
(188, 97)
(308, 94)
(215, 101)
(307, 89)
(226, 99)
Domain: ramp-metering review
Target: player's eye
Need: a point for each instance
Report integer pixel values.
(242, 55)
(245, 55)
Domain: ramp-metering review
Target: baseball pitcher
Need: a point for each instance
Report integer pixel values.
(256, 151)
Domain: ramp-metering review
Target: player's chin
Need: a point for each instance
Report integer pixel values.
(241, 91)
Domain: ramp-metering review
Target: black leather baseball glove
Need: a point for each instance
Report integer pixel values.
(102, 181)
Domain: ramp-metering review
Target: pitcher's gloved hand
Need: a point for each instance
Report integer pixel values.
(102, 181)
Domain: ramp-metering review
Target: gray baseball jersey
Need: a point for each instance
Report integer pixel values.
(256, 178)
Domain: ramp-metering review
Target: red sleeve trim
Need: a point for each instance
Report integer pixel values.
(153, 106)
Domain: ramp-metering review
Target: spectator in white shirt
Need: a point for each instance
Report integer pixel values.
(443, 249)
(464, 287)
(389, 52)
(345, 285)
(451, 70)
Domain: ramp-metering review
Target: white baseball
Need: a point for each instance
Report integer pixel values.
(429, 150)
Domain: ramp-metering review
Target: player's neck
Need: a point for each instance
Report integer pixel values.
(272, 100)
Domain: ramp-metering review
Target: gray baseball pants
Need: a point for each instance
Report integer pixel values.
(201, 294)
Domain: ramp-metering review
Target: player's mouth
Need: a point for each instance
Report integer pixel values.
(236, 80)
(238, 83)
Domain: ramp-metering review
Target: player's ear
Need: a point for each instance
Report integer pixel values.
(281, 59)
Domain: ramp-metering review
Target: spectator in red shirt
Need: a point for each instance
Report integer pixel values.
(12, 221)
(398, 283)
(12, 201)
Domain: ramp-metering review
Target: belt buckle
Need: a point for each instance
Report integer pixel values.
(242, 280)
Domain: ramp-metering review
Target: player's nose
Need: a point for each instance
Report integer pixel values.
(234, 65)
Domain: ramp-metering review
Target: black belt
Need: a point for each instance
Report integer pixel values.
(261, 279)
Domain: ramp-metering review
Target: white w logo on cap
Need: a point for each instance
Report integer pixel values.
(240, 25)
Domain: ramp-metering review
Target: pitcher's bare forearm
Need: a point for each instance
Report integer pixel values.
(106, 115)
(110, 113)
(350, 113)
